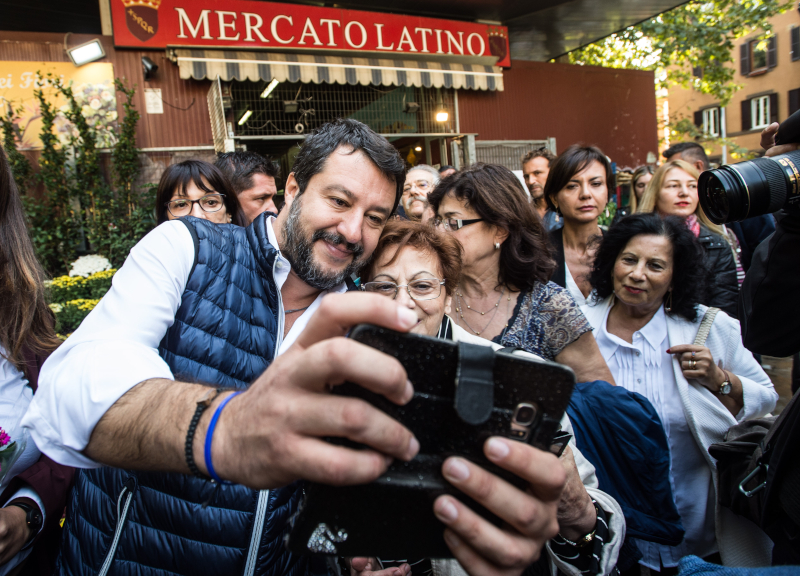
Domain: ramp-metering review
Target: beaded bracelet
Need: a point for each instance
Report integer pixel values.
(202, 405)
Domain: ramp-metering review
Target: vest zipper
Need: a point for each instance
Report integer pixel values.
(258, 530)
(263, 495)
(127, 494)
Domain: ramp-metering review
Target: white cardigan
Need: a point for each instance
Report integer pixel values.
(741, 543)
(616, 522)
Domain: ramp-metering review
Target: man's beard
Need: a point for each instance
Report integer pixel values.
(298, 249)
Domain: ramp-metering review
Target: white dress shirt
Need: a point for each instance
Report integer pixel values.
(116, 346)
(15, 396)
(645, 367)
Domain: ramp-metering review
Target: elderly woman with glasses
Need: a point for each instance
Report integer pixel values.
(420, 266)
(197, 188)
(504, 292)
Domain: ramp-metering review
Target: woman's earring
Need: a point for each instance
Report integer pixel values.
(668, 303)
(230, 218)
(497, 245)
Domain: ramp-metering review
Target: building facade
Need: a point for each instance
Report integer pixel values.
(209, 80)
(768, 70)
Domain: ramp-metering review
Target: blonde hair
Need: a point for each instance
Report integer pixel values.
(637, 175)
(650, 196)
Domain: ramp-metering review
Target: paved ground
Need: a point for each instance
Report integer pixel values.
(780, 371)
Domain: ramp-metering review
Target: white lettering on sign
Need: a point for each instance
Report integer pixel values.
(308, 30)
(274, 28)
(429, 31)
(451, 40)
(223, 25)
(438, 41)
(363, 34)
(379, 27)
(184, 19)
(153, 103)
(479, 51)
(250, 27)
(330, 23)
(405, 38)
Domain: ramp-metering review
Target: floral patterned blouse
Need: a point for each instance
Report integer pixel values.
(545, 321)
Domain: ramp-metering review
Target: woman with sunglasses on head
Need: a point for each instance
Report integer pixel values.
(504, 293)
(197, 188)
(419, 266)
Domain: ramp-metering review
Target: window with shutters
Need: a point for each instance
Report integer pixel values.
(711, 125)
(760, 112)
(795, 33)
(794, 101)
(758, 56)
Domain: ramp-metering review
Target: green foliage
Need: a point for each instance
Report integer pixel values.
(54, 222)
(607, 216)
(80, 211)
(698, 34)
(685, 128)
(20, 167)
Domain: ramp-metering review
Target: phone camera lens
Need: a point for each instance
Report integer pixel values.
(525, 414)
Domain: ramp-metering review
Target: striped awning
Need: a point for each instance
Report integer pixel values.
(255, 66)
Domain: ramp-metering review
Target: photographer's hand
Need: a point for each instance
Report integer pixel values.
(371, 567)
(768, 141)
(531, 516)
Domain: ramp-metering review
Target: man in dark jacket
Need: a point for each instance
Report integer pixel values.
(260, 310)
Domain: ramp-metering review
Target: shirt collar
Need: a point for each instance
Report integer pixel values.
(654, 332)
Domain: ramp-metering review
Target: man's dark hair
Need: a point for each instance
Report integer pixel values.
(446, 167)
(177, 177)
(689, 151)
(570, 162)
(240, 167)
(539, 153)
(326, 139)
(497, 196)
(688, 279)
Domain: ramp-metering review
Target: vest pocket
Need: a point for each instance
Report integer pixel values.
(123, 505)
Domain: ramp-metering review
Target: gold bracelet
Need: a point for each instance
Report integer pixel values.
(583, 541)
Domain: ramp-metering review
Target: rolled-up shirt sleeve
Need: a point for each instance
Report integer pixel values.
(114, 349)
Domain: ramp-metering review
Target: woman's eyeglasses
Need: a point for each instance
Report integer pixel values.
(453, 224)
(421, 289)
(184, 206)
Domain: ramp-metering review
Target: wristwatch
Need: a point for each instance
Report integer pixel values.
(33, 517)
(725, 387)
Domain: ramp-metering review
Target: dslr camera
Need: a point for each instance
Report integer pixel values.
(761, 186)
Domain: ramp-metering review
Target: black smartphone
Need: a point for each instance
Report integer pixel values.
(393, 516)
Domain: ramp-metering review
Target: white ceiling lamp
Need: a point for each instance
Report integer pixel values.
(244, 117)
(268, 90)
(87, 52)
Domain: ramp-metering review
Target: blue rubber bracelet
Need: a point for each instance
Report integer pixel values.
(209, 437)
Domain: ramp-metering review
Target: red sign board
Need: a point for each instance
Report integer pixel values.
(249, 24)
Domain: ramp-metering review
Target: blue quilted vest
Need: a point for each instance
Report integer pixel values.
(125, 522)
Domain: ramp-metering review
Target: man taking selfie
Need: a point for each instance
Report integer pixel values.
(260, 313)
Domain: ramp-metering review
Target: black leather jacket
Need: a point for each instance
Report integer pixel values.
(723, 288)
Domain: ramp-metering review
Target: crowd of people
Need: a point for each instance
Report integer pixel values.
(174, 430)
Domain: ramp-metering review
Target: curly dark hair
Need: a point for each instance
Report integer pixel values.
(497, 196)
(688, 274)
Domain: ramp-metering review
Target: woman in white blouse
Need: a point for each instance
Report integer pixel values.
(647, 279)
(28, 481)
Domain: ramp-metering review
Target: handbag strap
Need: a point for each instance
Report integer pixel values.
(705, 326)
